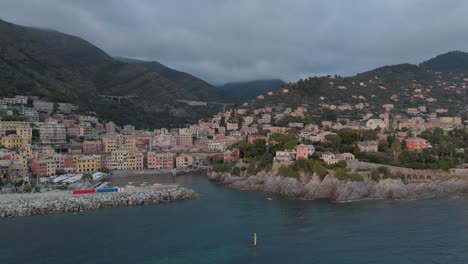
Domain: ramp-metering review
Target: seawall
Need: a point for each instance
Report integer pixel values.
(15, 205)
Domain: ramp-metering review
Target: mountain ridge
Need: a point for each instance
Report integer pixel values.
(246, 90)
(66, 68)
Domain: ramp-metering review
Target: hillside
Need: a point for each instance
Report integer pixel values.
(243, 91)
(65, 68)
(196, 86)
(404, 86)
(454, 61)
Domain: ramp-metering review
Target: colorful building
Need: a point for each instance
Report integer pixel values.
(302, 152)
(416, 144)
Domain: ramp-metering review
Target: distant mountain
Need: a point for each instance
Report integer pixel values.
(195, 85)
(455, 61)
(65, 68)
(247, 90)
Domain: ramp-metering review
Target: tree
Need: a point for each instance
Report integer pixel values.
(291, 144)
(243, 148)
(87, 177)
(335, 140)
(259, 147)
(396, 148)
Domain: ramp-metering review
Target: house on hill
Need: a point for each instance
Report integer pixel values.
(416, 144)
(332, 158)
(375, 123)
(368, 146)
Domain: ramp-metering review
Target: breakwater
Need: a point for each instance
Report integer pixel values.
(15, 205)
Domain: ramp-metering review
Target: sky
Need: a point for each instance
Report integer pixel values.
(238, 40)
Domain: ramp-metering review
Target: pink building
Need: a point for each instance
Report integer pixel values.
(139, 161)
(90, 147)
(185, 139)
(159, 160)
(302, 152)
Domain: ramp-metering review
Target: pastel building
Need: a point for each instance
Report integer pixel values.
(416, 144)
(302, 152)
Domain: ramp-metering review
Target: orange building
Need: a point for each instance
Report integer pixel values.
(416, 144)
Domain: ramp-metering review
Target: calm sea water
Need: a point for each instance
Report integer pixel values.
(219, 227)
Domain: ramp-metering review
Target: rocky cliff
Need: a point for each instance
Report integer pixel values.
(312, 187)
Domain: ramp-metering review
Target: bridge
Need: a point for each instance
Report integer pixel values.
(201, 103)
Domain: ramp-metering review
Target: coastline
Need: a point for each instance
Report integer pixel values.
(54, 202)
(311, 187)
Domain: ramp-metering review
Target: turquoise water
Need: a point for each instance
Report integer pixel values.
(218, 228)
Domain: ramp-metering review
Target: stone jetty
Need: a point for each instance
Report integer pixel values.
(15, 205)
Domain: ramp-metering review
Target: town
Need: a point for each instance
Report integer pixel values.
(42, 139)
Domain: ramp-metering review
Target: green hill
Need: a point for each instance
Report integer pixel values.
(243, 91)
(404, 86)
(65, 68)
(454, 61)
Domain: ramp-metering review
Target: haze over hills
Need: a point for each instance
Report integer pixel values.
(243, 91)
(66, 68)
(196, 86)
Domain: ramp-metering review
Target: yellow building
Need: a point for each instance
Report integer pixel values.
(128, 144)
(184, 161)
(119, 160)
(26, 152)
(86, 164)
(25, 132)
(14, 141)
(109, 144)
(13, 125)
(46, 151)
(131, 162)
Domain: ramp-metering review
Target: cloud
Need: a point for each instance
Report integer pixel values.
(222, 41)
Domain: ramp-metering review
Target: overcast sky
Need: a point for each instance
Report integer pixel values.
(222, 41)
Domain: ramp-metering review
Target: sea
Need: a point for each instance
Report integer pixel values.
(219, 227)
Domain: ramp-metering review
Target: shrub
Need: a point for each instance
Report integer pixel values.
(342, 175)
(375, 175)
(288, 171)
(235, 171)
(341, 164)
(222, 167)
(319, 170)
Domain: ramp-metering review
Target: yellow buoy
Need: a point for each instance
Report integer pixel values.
(255, 239)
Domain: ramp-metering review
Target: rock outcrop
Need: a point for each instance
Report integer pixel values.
(14, 205)
(312, 187)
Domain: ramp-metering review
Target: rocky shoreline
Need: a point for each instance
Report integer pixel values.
(312, 187)
(16, 205)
